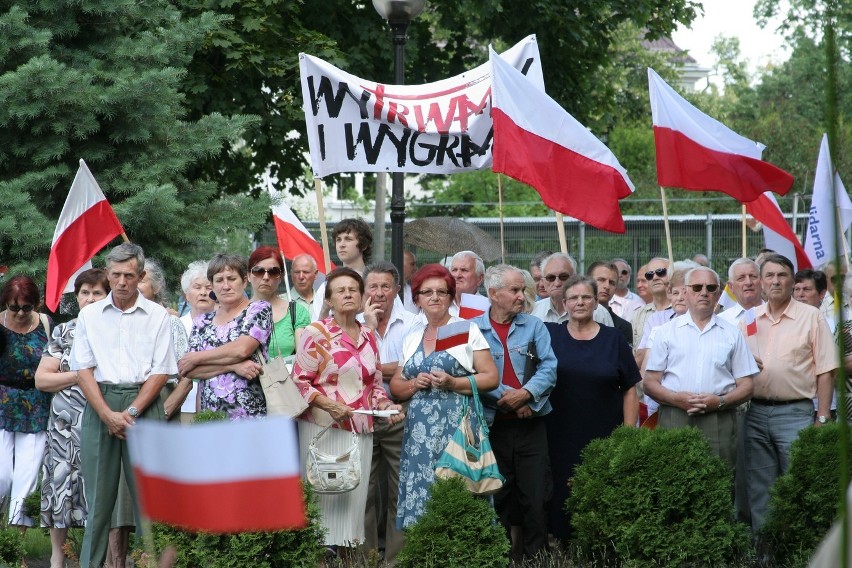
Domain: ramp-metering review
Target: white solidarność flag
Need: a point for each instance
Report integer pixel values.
(821, 236)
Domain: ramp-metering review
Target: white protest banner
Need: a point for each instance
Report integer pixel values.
(357, 125)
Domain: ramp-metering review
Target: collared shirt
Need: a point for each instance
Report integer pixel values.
(827, 306)
(654, 321)
(640, 318)
(408, 300)
(625, 307)
(524, 329)
(390, 346)
(734, 314)
(124, 347)
(794, 349)
(297, 297)
(708, 360)
(544, 311)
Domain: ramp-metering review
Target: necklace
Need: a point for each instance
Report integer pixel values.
(29, 329)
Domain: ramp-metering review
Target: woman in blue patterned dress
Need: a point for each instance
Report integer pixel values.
(23, 408)
(436, 384)
(223, 343)
(63, 504)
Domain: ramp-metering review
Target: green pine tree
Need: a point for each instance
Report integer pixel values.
(100, 80)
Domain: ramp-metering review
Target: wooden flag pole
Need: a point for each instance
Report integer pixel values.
(745, 248)
(124, 236)
(321, 213)
(500, 202)
(286, 276)
(666, 225)
(560, 229)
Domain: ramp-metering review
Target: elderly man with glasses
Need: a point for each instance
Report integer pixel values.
(700, 369)
(657, 276)
(555, 270)
(624, 302)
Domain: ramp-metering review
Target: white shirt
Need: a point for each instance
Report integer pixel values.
(189, 403)
(544, 311)
(624, 307)
(408, 300)
(735, 314)
(390, 346)
(124, 347)
(700, 361)
(652, 323)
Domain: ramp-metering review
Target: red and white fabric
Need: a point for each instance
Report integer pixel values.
(294, 239)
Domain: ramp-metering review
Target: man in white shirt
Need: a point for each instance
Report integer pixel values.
(700, 369)
(624, 302)
(556, 269)
(390, 321)
(744, 282)
(123, 355)
(409, 267)
(657, 275)
(469, 272)
(303, 274)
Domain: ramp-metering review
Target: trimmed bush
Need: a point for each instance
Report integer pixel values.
(457, 530)
(655, 498)
(11, 546)
(803, 502)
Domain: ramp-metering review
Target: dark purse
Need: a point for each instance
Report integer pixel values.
(532, 361)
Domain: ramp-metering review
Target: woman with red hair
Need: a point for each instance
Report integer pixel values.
(24, 410)
(436, 383)
(266, 271)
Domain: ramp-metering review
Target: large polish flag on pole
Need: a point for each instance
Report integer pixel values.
(86, 225)
(294, 239)
(219, 477)
(538, 143)
(821, 236)
(699, 153)
(777, 233)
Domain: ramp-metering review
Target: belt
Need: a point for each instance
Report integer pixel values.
(765, 402)
(128, 387)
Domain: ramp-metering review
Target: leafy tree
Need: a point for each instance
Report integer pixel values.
(100, 81)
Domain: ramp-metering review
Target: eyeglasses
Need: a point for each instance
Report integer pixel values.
(698, 287)
(273, 272)
(625, 272)
(661, 272)
(563, 276)
(26, 308)
(428, 293)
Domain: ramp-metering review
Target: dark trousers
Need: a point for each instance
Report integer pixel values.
(102, 457)
(520, 447)
(380, 514)
(720, 429)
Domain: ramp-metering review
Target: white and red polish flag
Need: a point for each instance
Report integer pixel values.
(294, 239)
(452, 335)
(750, 322)
(219, 477)
(776, 231)
(538, 143)
(86, 225)
(697, 152)
(473, 305)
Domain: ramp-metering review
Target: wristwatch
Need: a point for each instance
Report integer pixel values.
(721, 402)
(822, 419)
(133, 412)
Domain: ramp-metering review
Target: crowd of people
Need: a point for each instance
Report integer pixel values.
(559, 358)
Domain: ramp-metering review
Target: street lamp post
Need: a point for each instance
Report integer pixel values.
(398, 13)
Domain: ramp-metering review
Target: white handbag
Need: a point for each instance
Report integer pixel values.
(334, 474)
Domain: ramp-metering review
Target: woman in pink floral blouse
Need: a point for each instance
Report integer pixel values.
(337, 370)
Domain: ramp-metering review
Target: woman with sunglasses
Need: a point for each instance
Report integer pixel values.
(436, 383)
(266, 272)
(24, 410)
(595, 391)
(224, 342)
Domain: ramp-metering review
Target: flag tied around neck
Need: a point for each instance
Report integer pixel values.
(86, 225)
(219, 477)
(700, 153)
(538, 143)
(821, 236)
(473, 305)
(294, 239)
(776, 231)
(452, 335)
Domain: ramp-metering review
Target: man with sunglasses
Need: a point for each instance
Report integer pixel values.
(700, 369)
(657, 276)
(624, 302)
(556, 269)
(796, 354)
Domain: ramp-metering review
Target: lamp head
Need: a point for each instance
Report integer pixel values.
(399, 11)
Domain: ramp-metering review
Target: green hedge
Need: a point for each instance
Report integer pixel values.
(655, 498)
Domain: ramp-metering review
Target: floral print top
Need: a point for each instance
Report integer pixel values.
(23, 408)
(229, 392)
(329, 363)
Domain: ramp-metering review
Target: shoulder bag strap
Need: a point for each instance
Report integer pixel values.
(45, 324)
(292, 308)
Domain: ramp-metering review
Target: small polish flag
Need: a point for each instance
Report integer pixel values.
(697, 152)
(473, 305)
(452, 335)
(750, 322)
(86, 225)
(219, 477)
(294, 239)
